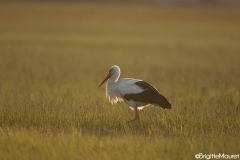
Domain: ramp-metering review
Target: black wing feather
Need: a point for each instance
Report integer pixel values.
(150, 95)
(146, 86)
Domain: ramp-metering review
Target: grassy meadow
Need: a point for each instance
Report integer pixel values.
(54, 56)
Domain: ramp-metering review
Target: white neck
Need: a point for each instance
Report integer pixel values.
(115, 77)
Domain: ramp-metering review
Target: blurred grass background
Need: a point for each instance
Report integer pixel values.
(53, 56)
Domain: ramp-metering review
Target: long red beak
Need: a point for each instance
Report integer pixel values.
(105, 79)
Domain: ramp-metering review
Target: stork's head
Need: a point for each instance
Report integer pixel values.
(113, 74)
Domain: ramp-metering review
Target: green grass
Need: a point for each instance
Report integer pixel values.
(54, 56)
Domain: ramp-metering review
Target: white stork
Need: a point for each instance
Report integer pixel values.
(136, 93)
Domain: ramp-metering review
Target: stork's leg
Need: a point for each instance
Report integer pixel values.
(136, 118)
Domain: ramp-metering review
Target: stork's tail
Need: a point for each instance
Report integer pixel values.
(163, 102)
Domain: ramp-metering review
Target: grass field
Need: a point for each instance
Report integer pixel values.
(54, 56)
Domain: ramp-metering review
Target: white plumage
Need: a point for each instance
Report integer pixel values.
(116, 91)
(136, 93)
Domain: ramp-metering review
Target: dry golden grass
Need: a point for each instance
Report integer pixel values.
(53, 57)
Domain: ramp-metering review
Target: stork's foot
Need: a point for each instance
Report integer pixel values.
(136, 117)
